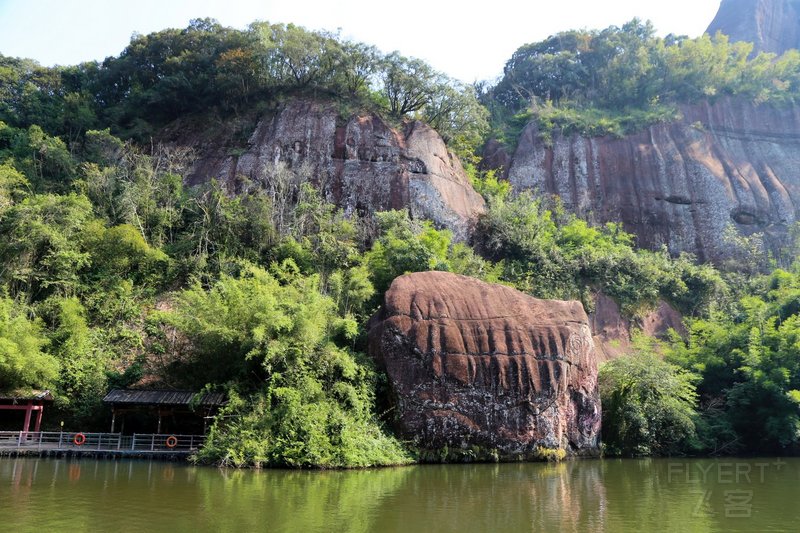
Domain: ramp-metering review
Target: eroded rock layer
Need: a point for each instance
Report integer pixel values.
(679, 184)
(487, 370)
(361, 163)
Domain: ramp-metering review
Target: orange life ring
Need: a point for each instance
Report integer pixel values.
(79, 439)
(171, 441)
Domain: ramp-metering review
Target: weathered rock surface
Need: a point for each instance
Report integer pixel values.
(485, 369)
(771, 25)
(495, 157)
(360, 163)
(612, 332)
(679, 184)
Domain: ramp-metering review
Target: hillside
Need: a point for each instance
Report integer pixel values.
(689, 143)
(225, 209)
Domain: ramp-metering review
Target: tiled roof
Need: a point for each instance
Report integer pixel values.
(164, 397)
(26, 394)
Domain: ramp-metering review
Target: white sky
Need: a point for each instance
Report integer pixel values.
(469, 41)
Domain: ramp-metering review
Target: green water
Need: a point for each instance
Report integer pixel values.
(45, 495)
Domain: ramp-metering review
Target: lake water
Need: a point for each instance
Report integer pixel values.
(680, 495)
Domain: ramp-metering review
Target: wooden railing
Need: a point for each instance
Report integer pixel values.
(101, 442)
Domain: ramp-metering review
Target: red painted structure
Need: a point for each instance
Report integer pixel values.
(30, 402)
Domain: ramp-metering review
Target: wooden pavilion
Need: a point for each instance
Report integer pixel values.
(163, 403)
(29, 401)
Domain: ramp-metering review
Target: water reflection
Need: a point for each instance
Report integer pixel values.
(609, 495)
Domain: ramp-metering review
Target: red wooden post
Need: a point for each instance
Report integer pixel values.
(26, 426)
(38, 425)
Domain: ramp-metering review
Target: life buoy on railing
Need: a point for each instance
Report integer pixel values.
(172, 441)
(79, 439)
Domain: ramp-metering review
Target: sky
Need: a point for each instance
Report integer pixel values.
(468, 41)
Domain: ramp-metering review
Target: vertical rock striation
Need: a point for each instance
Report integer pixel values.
(360, 163)
(680, 184)
(485, 370)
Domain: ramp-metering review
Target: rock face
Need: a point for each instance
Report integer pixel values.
(679, 184)
(771, 25)
(494, 156)
(612, 332)
(360, 163)
(485, 369)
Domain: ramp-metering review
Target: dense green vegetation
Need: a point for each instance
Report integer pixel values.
(648, 404)
(112, 270)
(747, 359)
(617, 80)
(166, 75)
(553, 254)
(732, 385)
(125, 274)
(315, 395)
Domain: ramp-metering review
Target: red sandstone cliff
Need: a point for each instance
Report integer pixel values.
(678, 184)
(360, 162)
(485, 369)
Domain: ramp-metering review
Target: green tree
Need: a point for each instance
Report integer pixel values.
(747, 359)
(84, 365)
(121, 252)
(648, 404)
(12, 186)
(408, 84)
(44, 160)
(359, 63)
(237, 75)
(23, 361)
(128, 186)
(41, 248)
(405, 246)
(29, 93)
(454, 112)
(310, 401)
(295, 57)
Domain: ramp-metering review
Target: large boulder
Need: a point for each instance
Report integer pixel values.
(486, 371)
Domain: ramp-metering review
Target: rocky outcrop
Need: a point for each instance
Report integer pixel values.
(771, 25)
(486, 370)
(612, 332)
(494, 157)
(679, 184)
(361, 163)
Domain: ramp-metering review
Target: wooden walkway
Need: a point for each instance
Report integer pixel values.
(94, 444)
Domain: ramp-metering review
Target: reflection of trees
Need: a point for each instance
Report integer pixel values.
(146, 496)
(507, 497)
(575, 496)
(642, 495)
(305, 501)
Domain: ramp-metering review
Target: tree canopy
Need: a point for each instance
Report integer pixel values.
(618, 79)
(168, 74)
